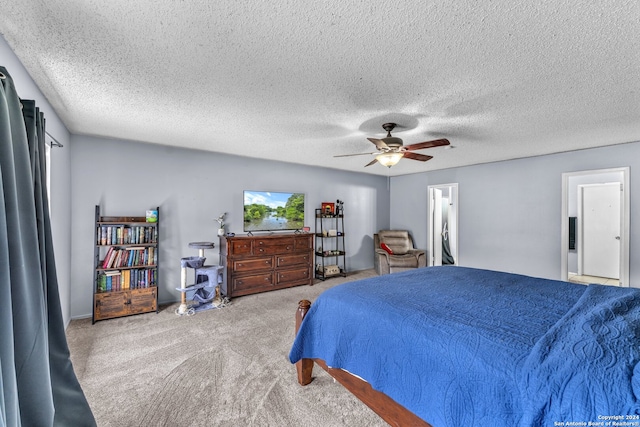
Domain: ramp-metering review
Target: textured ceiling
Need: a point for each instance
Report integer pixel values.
(302, 81)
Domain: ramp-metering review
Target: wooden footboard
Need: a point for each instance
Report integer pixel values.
(387, 408)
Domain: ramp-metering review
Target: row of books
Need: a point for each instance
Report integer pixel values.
(126, 235)
(130, 257)
(119, 280)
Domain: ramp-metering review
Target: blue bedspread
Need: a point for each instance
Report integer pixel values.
(466, 347)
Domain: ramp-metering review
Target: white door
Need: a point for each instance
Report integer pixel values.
(601, 230)
(437, 226)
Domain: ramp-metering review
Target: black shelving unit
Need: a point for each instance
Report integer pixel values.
(330, 250)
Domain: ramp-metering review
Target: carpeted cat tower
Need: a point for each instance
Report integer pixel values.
(204, 293)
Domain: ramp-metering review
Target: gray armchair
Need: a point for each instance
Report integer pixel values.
(404, 256)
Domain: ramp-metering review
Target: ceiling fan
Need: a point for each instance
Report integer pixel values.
(391, 149)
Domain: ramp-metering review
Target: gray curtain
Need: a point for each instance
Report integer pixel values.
(38, 385)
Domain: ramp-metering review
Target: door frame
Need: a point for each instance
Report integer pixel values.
(624, 222)
(452, 189)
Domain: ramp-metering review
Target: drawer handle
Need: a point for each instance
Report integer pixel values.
(266, 279)
(261, 249)
(288, 248)
(267, 262)
(240, 264)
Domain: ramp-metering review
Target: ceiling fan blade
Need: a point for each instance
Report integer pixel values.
(416, 156)
(372, 162)
(379, 143)
(427, 144)
(356, 154)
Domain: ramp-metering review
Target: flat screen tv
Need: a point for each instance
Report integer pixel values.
(273, 211)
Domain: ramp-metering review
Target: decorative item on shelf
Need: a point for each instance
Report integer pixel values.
(333, 233)
(220, 219)
(328, 208)
(306, 229)
(331, 269)
(152, 215)
(330, 253)
(339, 207)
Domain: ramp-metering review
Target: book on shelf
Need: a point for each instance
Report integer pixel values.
(126, 276)
(126, 235)
(113, 280)
(105, 261)
(102, 283)
(129, 257)
(110, 257)
(118, 259)
(119, 280)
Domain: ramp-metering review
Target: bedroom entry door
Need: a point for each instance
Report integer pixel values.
(600, 229)
(611, 189)
(443, 225)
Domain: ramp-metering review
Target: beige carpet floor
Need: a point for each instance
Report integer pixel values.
(221, 367)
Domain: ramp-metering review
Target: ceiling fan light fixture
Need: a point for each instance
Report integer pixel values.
(393, 141)
(390, 149)
(389, 159)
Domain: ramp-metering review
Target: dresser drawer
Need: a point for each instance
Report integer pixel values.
(301, 274)
(274, 246)
(303, 243)
(265, 263)
(240, 247)
(287, 260)
(252, 282)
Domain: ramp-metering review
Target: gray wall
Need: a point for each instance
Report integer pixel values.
(192, 189)
(60, 203)
(509, 212)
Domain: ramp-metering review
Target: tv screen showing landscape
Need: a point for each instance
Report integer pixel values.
(273, 211)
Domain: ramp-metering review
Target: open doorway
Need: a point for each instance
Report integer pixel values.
(443, 225)
(595, 227)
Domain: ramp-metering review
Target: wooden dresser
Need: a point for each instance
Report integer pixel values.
(255, 264)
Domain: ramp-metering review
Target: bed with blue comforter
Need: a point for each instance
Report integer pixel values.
(467, 347)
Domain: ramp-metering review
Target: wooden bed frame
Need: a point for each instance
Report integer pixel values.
(387, 408)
